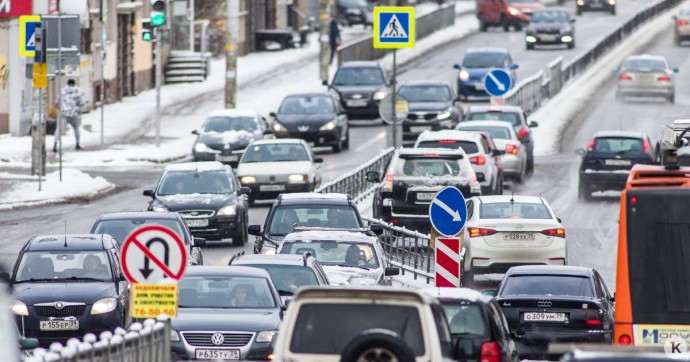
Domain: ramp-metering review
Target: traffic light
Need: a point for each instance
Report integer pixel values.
(146, 30)
(157, 12)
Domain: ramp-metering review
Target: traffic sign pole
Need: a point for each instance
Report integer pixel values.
(394, 94)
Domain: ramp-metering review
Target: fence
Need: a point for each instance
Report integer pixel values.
(353, 182)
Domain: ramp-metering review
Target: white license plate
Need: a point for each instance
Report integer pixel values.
(426, 196)
(272, 188)
(230, 158)
(518, 236)
(419, 129)
(544, 317)
(617, 162)
(59, 325)
(548, 37)
(358, 103)
(196, 222)
(218, 354)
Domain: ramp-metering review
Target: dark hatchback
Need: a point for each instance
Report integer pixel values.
(608, 159)
(317, 118)
(596, 5)
(549, 27)
(209, 198)
(474, 66)
(432, 107)
(68, 285)
(225, 313)
(361, 86)
(545, 304)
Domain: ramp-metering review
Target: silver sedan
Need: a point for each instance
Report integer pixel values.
(646, 75)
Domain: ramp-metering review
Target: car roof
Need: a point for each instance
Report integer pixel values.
(314, 198)
(449, 134)
(627, 134)
(314, 94)
(64, 242)
(129, 215)
(526, 199)
(331, 235)
(424, 151)
(274, 259)
(488, 50)
(360, 64)
(550, 269)
(425, 83)
(234, 113)
(197, 166)
(645, 56)
(231, 270)
(279, 140)
(465, 294)
(392, 294)
(494, 108)
(478, 122)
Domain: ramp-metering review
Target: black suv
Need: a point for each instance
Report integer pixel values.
(596, 5)
(361, 86)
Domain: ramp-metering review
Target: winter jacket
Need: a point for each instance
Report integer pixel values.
(72, 100)
(334, 33)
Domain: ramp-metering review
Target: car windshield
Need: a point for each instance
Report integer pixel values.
(550, 16)
(331, 252)
(512, 118)
(618, 145)
(644, 65)
(516, 210)
(427, 167)
(485, 60)
(315, 332)
(186, 183)
(426, 93)
(465, 319)
(275, 152)
(211, 291)
(285, 218)
(358, 76)
(288, 278)
(468, 146)
(121, 228)
(307, 105)
(67, 265)
(496, 132)
(226, 124)
(548, 285)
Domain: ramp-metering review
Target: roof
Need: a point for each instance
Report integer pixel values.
(487, 50)
(396, 294)
(550, 269)
(626, 134)
(646, 56)
(425, 83)
(74, 242)
(475, 123)
(196, 166)
(494, 108)
(467, 294)
(315, 196)
(233, 113)
(359, 63)
(274, 259)
(231, 270)
(423, 151)
(331, 235)
(492, 199)
(129, 215)
(278, 140)
(449, 135)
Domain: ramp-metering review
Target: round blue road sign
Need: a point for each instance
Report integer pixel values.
(448, 211)
(497, 82)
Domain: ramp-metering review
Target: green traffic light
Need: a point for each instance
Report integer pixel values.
(158, 19)
(146, 36)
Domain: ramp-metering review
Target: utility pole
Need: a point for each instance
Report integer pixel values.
(101, 18)
(158, 49)
(393, 94)
(232, 28)
(324, 54)
(59, 90)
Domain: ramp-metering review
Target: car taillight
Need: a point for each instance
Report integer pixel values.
(523, 133)
(664, 78)
(490, 352)
(445, 142)
(474, 232)
(590, 145)
(681, 22)
(512, 149)
(625, 340)
(388, 184)
(624, 77)
(593, 318)
(558, 232)
(478, 160)
(646, 146)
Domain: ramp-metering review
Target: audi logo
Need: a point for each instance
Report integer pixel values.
(217, 339)
(544, 304)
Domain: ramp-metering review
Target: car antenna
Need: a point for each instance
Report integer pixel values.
(512, 194)
(65, 233)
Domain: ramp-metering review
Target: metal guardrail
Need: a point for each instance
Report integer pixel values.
(353, 183)
(147, 342)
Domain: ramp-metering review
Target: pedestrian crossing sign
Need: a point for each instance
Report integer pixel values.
(394, 27)
(27, 34)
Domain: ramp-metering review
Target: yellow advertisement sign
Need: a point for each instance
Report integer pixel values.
(151, 300)
(658, 334)
(40, 75)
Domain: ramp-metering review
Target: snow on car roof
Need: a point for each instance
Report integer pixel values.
(314, 196)
(488, 122)
(333, 235)
(196, 166)
(233, 113)
(448, 134)
(277, 140)
(454, 293)
(525, 199)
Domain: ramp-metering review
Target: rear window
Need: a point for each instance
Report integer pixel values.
(497, 133)
(427, 167)
(618, 145)
(644, 65)
(287, 278)
(465, 319)
(512, 118)
(467, 146)
(507, 210)
(551, 285)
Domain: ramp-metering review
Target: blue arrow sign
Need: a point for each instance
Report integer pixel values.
(497, 82)
(448, 212)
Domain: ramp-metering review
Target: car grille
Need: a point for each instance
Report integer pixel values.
(192, 214)
(364, 96)
(67, 311)
(549, 31)
(203, 339)
(427, 116)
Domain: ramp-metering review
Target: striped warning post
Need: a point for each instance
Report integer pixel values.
(448, 262)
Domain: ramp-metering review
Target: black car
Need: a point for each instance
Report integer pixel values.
(209, 198)
(433, 106)
(68, 285)
(120, 224)
(608, 159)
(361, 86)
(545, 304)
(225, 313)
(596, 5)
(225, 132)
(548, 27)
(413, 177)
(351, 12)
(317, 118)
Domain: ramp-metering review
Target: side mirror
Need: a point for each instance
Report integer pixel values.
(675, 70)
(481, 177)
(273, 114)
(533, 124)
(496, 152)
(559, 220)
(616, 69)
(391, 271)
(149, 193)
(376, 229)
(4, 277)
(245, 191)
(318, 160)
(372, 176)
(457, 66)
(572, 20)
(514, 66)
(580, 152)
(254, 230)
(195, 132)
(27, 343)
(491, 293)
(199, 241)
(324, 83)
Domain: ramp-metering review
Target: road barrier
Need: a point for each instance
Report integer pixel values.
(353, 183)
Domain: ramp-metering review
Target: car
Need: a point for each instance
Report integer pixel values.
(527, 7)
(289, 272)
(271, 167)
(545, 304)
(14, 345)
(513, 114)
(477, 324)
(352, 12)
(671, 138)
(646, 75)
(225, 313)
(348, 257)
(608, 159)
(317, 118)
(120, 224)
(433, 105)
(499, 13)
(68, 285)
(682, 26)
(474, 66)
(482, 155)
(208, 196)
(508, 230)
(514, 158)
(226, 131)
(361, 86)
(596, 5)
(550, 26)
(413, 177)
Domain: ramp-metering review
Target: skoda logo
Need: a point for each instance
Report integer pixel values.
(544, 304)
(217, 339)
(227, 147)
(356, 96)
(59, 305)
(303, 128)
(519, 227)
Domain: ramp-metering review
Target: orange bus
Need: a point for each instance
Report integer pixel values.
(653, 273)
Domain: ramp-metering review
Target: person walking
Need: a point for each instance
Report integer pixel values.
(71, 99)
(333, 37)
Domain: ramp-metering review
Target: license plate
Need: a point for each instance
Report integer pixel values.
(196, 222)
(595, 5)
(518, 236)
(426, 196)
(544, 317)
(230, 158)
(272, 188)
(617, 162)
(548, 37)
(218, 354)
(59, 325)
(419, 129)
(358, 103)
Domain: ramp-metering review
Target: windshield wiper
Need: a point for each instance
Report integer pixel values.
(85, 279)
(285, 292)
(35, 280)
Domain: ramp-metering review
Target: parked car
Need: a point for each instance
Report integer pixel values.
(208, 196)
(317, 118)
(499, 13)
(596, 5)
(682, 27)
(515, 156)
(272, 167)
(361, 86)
(433, 106)
(550, 27)
(352, 12)
(474, 66)
(226, 131)
(646, 75)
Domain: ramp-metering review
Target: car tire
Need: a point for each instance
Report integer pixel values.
(613, 11)
(518, 27)
(579, 12)
(377, 345)
(530, 166)
(529, 46)
(346, 144)
(338, 147)
(240, 239)
(483, 26)
(583, 192)
(571, 45)
(672, 98)
(251, 201)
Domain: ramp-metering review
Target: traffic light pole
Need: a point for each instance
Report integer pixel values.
(232, 28)
(157, 45)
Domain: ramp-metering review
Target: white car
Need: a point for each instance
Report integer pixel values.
(504, 136)
(476, 148)
(505, 231)
(272, 167)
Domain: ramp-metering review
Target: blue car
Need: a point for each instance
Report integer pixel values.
(475, 65)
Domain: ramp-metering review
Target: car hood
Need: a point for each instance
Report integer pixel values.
(339, 275)
(429, 106)
(77, 292)
(197, 201)
(217, 319)
(548, 27)
(477, 73)
(233, 139)
(364, 90)
(293, 120)
(273, 168)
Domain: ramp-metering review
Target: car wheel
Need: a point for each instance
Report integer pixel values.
(483, 26)
(613, 11)
(530, 165)
(583, 192)
(241, 237)
(676, 39)
(251, 201)
(518, 27)
(529, 46)
(346, 144)
(571, 45)
(672, 98)
(338, 147)
(377, 345)
(505, 23)
(579, 11)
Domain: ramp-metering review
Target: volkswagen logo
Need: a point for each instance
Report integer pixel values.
(303, 128)
(519, 227)
(217, 339)
(356, 96)
(544, 304)
(59, 305)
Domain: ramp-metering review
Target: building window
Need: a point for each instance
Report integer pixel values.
(86, 39)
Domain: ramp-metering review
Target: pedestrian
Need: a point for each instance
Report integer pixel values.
(333, 38)
(71, 99)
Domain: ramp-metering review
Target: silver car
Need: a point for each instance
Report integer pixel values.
(646, 75)
(682, 28)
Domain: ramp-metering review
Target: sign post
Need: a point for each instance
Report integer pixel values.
(448, 214)
(393, 114)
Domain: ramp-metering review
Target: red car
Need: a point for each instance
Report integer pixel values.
(500, 13)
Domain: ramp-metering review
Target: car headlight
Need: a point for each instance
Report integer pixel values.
(580, 2)
(464, 75)
(200, 147)
(297, 178)
(174, 336)
(612, 2)
(513, 11)
(379, 95)
(329, 126)
(277, 127)
(445, 114)
(228, 211)
(160, 208)
(265, 336)
(19, 308)
(530, 39)
(567, 38)
(104, 305)
(247, 179)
